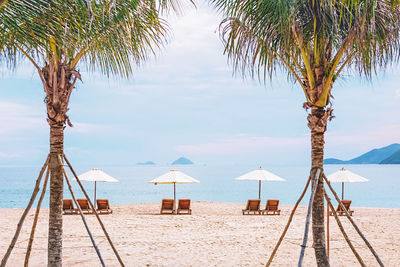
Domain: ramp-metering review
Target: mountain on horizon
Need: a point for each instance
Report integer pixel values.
(386, 155)
(393, 159)
(182, 161)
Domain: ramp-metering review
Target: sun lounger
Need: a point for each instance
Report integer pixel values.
(84, 205)
(340, 211)
(253, 205)
(184, 206)
(167, 206)
(271, 208)
(68, 207)
(103, 206)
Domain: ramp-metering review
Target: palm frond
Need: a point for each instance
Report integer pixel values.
(312, 40)
(106, 35)
(17, 25)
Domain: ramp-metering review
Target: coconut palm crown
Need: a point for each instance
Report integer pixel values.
(313, 41)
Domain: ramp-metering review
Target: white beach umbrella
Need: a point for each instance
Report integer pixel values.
(96, 175)
(174, 177)
(260, 175)
(345, 176)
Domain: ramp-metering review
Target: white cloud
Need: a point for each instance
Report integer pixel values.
(77, 150)
(398, 92)
(347, 146)
(192, 62)
(4, 155)
(24, 70)
(336, 143)
(17, 118)
(83, 128)
(242, 144)
(381, 136)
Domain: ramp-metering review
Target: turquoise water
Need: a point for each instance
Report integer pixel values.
(216, 184)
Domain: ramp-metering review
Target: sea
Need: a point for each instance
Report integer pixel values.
(216, 184)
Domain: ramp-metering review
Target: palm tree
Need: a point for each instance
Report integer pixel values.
(313, 41)
(110, 36)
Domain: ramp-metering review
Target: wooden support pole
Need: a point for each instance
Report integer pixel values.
(32, 235)
(288, 223)
(307, 224)
(343, 231)
(353, 223)
(95, 212)
(327, 229)
(81, 213)
(21, 220)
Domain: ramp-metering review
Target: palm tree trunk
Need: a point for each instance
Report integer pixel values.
(317, 123)
(58, 81)
(56, 196)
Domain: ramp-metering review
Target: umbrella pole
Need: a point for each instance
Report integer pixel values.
(174, 198)
(342, 190)
(259, 189)
(95, 202)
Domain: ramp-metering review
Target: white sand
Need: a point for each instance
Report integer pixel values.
(217, 234)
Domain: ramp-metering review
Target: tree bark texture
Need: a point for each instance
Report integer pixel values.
(56, 197)
(317, 121)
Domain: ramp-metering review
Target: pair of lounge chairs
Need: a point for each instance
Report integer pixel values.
(167, 206)
(342, 212)
(253, 207)
(103, 206)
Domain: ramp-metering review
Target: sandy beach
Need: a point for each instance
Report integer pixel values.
(216, 234)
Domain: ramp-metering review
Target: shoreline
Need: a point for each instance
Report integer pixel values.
(219, 202)
(216, 234)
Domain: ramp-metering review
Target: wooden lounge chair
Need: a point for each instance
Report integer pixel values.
(84, 205)
(103, 206)
(340, 211)
(271, 208)
(253, 205)
(167, 206)
(184, 207)
(68, 207)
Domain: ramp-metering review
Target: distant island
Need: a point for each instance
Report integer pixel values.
(385, 155)
(182, 161)
(146, 163)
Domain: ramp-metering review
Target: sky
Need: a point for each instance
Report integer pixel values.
(187, 102)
